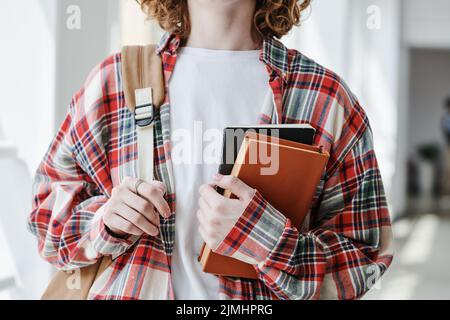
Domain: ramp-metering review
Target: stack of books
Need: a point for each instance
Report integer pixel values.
(282, 163)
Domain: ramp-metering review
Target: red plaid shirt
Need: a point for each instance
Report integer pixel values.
(344, 247)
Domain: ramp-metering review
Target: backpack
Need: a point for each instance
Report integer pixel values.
(144, 89)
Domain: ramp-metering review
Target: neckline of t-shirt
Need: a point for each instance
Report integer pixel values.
(215, 53)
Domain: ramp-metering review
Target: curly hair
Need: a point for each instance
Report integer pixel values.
(273, 18)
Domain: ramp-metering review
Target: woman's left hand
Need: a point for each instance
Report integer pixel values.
(218, 215)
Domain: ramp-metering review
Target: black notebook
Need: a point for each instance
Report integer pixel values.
(234, 136)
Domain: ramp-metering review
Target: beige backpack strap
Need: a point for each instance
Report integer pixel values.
(144, 85)
(143, 82)
(142, 68)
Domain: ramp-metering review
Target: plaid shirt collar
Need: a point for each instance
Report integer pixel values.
(274, 54)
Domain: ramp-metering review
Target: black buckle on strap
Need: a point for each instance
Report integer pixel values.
(144, 119)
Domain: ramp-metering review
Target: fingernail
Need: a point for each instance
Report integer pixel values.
(217, 177)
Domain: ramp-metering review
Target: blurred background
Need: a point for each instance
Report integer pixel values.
(394, 54)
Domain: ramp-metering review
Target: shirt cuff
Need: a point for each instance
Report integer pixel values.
(103, 243)
(256, 234)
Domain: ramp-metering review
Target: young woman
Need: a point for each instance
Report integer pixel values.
(221, 61)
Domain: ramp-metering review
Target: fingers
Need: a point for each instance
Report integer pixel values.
(141, 205)
(203, 233)
(208, 236)
(129, 213)
(217, 214)
(235, 185)
(131, 183)
(119, 225)
(136, 219)
(156, 197)
(203, 205)
(210, 195)
(153, 192)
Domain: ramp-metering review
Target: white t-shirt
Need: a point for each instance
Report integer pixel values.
(209, 90)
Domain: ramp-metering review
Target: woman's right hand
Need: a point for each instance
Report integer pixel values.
(130, 213)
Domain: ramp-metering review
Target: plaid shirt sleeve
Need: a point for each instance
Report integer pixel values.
(70, 192)
(345, 252)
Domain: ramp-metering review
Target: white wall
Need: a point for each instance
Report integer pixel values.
(27, 30)
(135, 28)
(427, 23)
(322, 35)
(79, 50)
(27, 83)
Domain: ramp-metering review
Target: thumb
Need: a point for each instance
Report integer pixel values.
(233, 184)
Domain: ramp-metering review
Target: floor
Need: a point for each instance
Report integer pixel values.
(421, 267)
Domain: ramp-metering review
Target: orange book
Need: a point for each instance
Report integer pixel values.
(290, 188)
